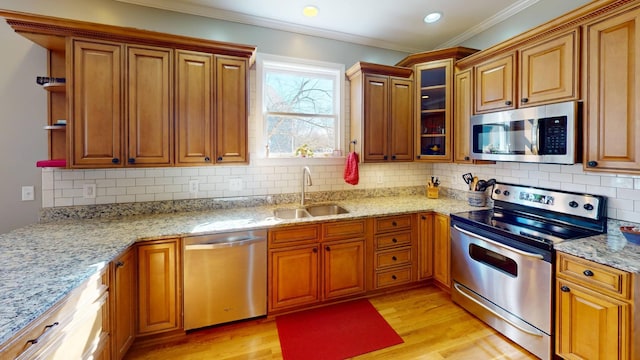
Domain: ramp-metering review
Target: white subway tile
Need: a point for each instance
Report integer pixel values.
(125, 198)
(125, 182)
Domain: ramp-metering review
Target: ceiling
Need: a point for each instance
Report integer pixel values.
(390, 24)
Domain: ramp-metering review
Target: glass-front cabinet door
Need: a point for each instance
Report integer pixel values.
(434, 110)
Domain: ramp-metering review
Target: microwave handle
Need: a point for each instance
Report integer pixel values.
(535, 137)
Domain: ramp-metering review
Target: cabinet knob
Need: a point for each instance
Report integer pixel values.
(394, 277)
(424, 217)
(588, 273)
(115, 160)
(394, 240)
(207, 159)
(328, 248)
(219, 158)
(466, 158)
(394, 258)
(385, 157)
(592, 163)
(119, 264)
(394, 223)
(315, 250)
(565, 288)
(524, 100)
(393, 157)
(508, 102)
(132, 160)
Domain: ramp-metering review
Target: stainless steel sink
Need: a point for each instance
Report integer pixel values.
(291, 213)
(309, 211)
(322, 210)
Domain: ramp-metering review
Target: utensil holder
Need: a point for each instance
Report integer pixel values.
(476, 198)
(432, 192)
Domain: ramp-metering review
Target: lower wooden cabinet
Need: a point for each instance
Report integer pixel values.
(441, 250)
(123, 306)
(159, 290)
(77, 327)
(594, 311)
(293, 277)
(394, 251)
(425, 246)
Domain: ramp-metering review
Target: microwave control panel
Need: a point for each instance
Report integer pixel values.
(553, 135)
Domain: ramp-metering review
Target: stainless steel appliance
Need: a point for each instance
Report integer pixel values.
(225, 277)
(542, 134)
(502, 259)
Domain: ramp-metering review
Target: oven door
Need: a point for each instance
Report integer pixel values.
(508, 288)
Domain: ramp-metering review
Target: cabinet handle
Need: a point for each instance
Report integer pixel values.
(588, 273)
(592, 163)
(119, 264)
(466, 158)
(115, 160)
(394, 258)
(47, 327)
(207, 159)
(315, 250)
(328, 248)
(394, 277)
(394, 240)
(524, 100)
(132, 160)
(565, 288)
(219, 158)
(508, 103)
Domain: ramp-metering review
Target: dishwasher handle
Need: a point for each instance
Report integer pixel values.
(220, 244)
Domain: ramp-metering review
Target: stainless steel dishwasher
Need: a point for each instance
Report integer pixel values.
(225, 277)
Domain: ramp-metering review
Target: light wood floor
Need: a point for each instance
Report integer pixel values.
(431, 326)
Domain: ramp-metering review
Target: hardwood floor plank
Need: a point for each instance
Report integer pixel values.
(432, 327)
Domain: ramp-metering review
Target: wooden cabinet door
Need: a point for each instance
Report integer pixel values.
(158, 287)
(425, 246)
(343, 268)
(95, 124)
(231, 110)
(462, 103)
(613, 111)
(294, 277)
(590, 325)
(549, 71)
(376, 115)
(401, 120)
(123, 311)
(494, 84)
(194, 114)
(441, 250)
(150, 105)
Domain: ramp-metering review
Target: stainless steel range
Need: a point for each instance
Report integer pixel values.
(502, 259)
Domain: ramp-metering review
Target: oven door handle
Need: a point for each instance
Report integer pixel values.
(517, 251)
(526, 331)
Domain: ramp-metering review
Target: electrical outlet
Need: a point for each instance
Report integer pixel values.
(194, 186)
(28, 193)
(89, 191)
(380, 178)
(235, 184)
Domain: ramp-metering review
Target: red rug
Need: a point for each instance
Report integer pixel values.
(334, 332)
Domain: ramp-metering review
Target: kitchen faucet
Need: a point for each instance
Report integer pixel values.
(306, 175)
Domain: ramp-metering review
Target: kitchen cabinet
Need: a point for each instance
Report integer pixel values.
(159, 289)
(394, 251)
(463, 104)
(123, 308)
(425, 246)
(231, 108)
(310, 264)
(77, 327)
(545, 71)
(612, 128)
(442, 251)
(381, 112)
(594, 310)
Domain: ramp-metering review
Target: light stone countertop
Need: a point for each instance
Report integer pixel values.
(41, 263)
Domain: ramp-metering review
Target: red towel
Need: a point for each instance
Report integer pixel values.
(351, 169)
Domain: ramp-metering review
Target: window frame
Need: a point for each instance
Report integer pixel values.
(304, 65)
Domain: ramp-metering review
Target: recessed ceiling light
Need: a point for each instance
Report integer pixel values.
(433, 17)
(310, 11)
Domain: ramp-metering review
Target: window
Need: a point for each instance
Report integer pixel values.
(300, 106)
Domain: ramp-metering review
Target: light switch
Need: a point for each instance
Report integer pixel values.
(28, 193)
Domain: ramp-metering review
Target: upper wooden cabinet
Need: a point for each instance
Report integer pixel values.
(612, 130)
(381, 112)
(462, 109)
(120, 95)
(495, 84)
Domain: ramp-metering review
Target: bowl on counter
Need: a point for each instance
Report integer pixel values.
(632, 233)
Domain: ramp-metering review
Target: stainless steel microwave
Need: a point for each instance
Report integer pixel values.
(540, 134)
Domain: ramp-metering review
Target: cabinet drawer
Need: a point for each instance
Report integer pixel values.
(396, 257)
(393, 240)
(392, 223)
(294, 235)
(393, 277)
(595, 276)
(344, 229)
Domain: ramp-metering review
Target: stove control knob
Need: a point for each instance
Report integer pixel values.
(497, 191)
(573, 204)
(506, 193)
(588, 207)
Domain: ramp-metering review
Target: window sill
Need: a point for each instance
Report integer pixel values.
(337, 160)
